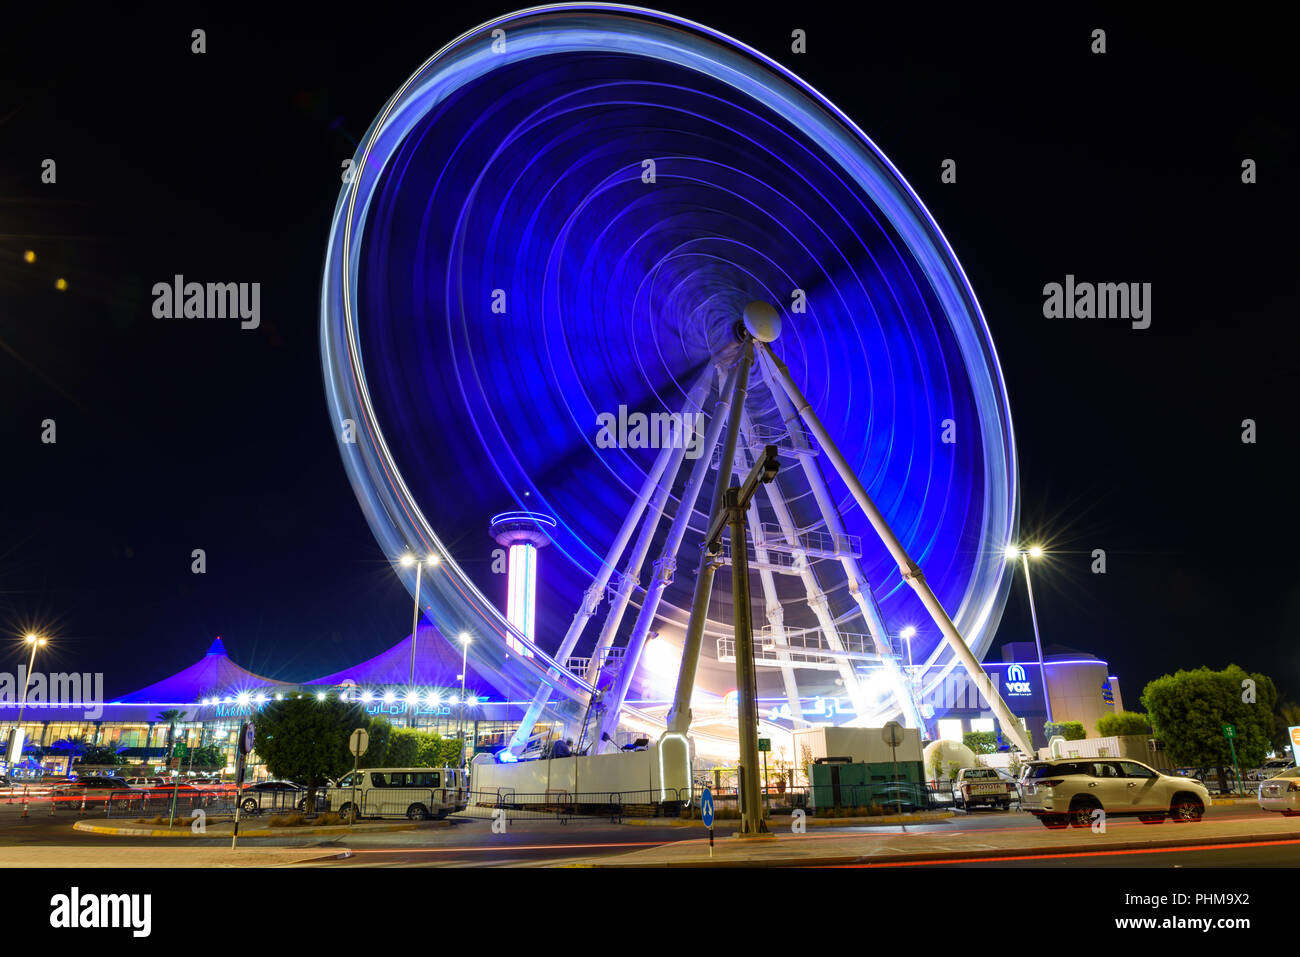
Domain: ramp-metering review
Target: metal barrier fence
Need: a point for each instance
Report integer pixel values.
(416, 804)
(565, 805)
(885, 796)
(131, 802)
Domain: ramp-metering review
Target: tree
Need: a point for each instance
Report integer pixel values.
(209, 757)
(404, 748)
(1288, 716)
(981, 742)
(381, 733)
(1188, 710)
(1123, 722)
(305, 740)
(1070, 730)
(173, 717)
(100, 754)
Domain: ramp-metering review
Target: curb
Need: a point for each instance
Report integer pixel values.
(250, 832)
(910, 858)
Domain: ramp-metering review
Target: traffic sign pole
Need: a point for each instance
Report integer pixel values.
(893, 736)
(357, 744)
(245, 746)
(706, 815)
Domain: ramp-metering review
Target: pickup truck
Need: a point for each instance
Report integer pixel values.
(975, 786)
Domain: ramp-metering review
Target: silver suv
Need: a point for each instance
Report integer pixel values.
(1068, 791)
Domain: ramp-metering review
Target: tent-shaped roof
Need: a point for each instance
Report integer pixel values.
(214, 673)
(437, 665)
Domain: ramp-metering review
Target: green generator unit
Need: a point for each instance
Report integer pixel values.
(840, 783)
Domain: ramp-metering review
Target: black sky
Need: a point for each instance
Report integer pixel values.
(177, 435)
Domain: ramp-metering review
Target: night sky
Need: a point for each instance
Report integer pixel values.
(175, 435)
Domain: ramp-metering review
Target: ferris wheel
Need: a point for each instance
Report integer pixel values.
(593, 262)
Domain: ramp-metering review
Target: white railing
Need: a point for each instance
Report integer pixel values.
(805, 648)
(813, 542)
(761, 436)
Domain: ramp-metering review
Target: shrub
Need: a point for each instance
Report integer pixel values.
(329, 818)
(1070, 730)
(1122, 723)
(981, 742)
(288, 820)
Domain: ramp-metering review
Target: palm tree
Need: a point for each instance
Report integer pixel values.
(173, 717)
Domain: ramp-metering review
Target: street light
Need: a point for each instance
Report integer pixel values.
(16, 735)
(907, 634)
(1024, 554)
(36, 642)
(464, 651)
(407, 561)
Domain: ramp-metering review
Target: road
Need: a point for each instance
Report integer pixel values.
(472, 843)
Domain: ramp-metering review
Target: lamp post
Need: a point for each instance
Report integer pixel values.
(407, 561)
(15, 749)
(907, 634)
(1024, 554)
(36, 642)
(460, 724)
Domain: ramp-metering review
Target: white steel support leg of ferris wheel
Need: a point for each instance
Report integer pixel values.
(775, 611)
(668, 460)
(631, 577)
(859, 588)
(679, 713)
(815, 597)
(911, 572)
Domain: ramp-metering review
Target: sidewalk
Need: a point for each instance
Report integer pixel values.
(885, 848)
(224, 830)
(99, 855)
(783, 821)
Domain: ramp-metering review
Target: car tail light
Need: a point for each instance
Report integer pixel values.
(1293, 786)
(1051, 782)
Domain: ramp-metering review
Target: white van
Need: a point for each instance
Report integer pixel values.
(415, 793)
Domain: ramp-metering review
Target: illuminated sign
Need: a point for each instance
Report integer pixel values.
(235, 710)
(1017, 682)
(400, 708)
(1295, 744)
(1107, 694)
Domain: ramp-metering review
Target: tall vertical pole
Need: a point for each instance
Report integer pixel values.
(1033, 616)
(460, 733)
(751, 820)
(415, 627)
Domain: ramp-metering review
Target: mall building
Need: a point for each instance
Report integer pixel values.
(210, 699)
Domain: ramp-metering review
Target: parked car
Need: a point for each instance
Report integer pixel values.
(1065, 792)
(185, 794)
(975, 787)
(277, 796)
(1270, 769)
(95, 790)
(415, 793)
(145, 782)
(900, 794)
(1281, 792)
